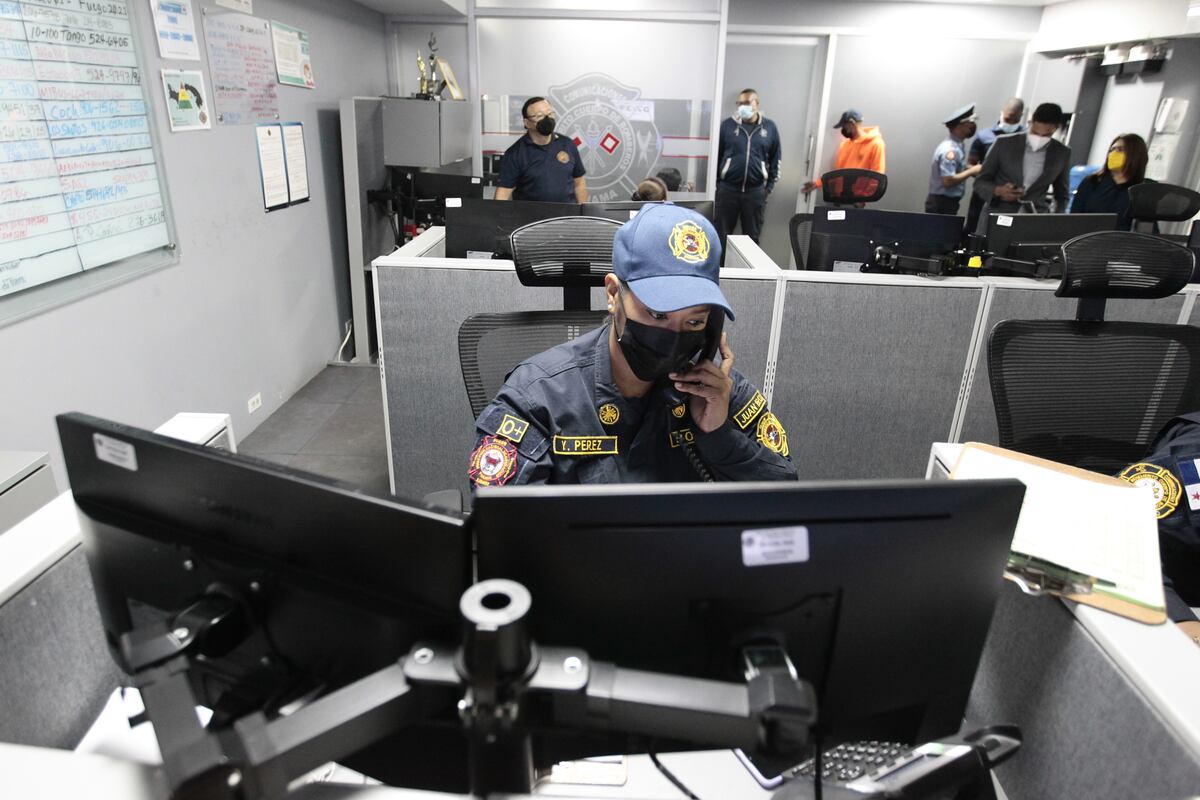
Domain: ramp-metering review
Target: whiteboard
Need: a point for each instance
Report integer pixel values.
(79, 178)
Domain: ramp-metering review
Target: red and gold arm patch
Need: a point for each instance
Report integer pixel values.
(493, 462)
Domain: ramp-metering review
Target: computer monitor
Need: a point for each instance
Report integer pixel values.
(881, 592)
(624, 210)
(333, 583)
(438, 186)
(843, 239)
(1030, 238)
(481, 227)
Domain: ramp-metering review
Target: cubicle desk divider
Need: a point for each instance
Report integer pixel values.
(1025, 298)
(421, 300)
(870, 369)
(863, 370)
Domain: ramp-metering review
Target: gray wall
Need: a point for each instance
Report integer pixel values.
(931, 17)
(257, 301)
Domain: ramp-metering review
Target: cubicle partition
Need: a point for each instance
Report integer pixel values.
(869, 369)
(864, 370)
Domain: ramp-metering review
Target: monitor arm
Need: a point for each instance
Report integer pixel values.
(509, 688)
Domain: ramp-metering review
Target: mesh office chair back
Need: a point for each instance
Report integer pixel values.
(1092, 393)
(851, 186)
(573, 252)
(800, 232)
(1162, 202)
(564, 251)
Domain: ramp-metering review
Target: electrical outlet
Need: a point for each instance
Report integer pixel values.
(254, 403)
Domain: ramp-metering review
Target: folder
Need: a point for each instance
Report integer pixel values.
(1088, 537)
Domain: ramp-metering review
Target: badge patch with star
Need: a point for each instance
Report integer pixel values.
(689, 242)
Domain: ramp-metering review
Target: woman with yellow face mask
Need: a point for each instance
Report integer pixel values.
(1107, 191)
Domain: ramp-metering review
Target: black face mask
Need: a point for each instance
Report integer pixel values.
(545, 126)
(653, 353)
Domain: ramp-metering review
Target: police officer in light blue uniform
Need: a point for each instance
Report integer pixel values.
(639, 399)
(949, 171)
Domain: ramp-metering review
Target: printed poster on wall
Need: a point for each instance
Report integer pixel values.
(175, 27)
(244, 6)
(272, 166)
(292, 61)
(243, 68)
(187, 100)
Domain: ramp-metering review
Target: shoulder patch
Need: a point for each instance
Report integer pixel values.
(585, 445)
(1167, 489)
(750, 411)
(512, 428)
(493, 462)
(950, 155)
(563, 157)
(771, 435)
(679, 410)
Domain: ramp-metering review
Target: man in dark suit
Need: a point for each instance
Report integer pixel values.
(1020, 168)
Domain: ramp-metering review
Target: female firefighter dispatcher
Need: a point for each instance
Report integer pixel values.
(639, 399)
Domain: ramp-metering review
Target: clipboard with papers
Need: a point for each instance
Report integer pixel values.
(1088, 537)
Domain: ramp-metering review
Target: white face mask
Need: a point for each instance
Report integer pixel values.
(1037, 142)
(1010, 128)
(745, 111)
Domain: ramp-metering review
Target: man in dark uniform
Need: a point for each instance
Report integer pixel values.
(542, 165)
(748, 153)
(949, 171)
(638, 399)
(1172, 469)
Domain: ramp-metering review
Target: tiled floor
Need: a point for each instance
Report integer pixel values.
(333, 426)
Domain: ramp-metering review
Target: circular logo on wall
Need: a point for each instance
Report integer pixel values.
(613, 129)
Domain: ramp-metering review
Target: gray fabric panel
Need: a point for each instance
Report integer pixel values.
(56, 672)
(867, 375)
(979, 422)
(750, 334)
(1088, 733)
(429, 417)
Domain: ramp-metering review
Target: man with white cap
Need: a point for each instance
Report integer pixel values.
(641, 398)
(949, 172)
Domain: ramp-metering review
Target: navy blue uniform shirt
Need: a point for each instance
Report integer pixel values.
(1172, 469)
(985, 138)
(542, 172)
(560, 419)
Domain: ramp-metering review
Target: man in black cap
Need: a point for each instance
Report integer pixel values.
(1020, 168)
(949, 171)
(862, 147)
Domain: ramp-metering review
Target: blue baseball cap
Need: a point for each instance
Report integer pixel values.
(670, 257)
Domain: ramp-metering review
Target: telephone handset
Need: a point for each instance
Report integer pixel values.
(708, 351)
(712, 336)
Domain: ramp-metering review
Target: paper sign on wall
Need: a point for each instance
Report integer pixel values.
(244, 6)
(187, 100)
(297, 162)
(175, 27)
(243, 68)
(293, 63)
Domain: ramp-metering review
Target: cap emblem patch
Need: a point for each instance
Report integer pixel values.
(689, 242)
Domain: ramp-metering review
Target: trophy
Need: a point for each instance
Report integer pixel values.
(423, 90)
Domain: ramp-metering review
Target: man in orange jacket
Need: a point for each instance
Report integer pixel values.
(863, 147)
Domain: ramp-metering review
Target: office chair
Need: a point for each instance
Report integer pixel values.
(800, 233)
(572, 252)
(1091, 393)
(845, 187)
(1151, 202)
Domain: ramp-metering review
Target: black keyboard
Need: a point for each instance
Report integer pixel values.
(853, 760)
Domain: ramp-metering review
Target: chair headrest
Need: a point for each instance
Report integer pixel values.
(1162, 202)
(847, 186)
(1123, 264)
(564, 251)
